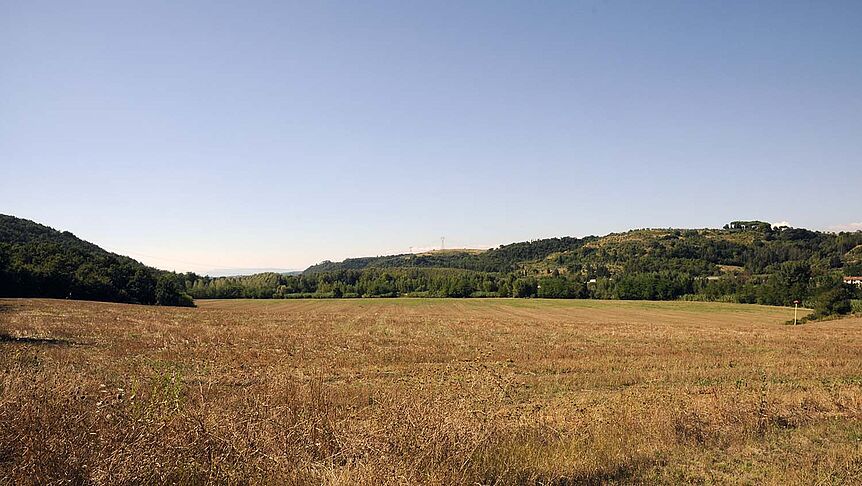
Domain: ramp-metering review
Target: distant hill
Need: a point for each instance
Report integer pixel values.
(502, 259)
(750, 247)
(38, 261)
(745, 261)
(239, 272)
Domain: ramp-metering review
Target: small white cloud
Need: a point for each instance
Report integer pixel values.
(851, 227)
(780, 224)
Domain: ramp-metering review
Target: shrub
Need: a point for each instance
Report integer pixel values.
(169, 293)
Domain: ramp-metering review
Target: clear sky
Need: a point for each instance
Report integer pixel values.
(206, 134)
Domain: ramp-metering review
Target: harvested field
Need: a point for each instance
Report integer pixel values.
(415, 391)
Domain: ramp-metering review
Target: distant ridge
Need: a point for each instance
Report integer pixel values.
(743, 262)
(239, 272)
(700, 251)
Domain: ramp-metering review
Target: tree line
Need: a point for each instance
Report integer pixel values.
(745, 262)
(793, 281)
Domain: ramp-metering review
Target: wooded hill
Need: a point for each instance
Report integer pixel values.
(746, 261)
(740, 247)
(38, 261)
(502, 259)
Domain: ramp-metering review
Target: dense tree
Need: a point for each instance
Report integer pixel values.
(833, 298)
(559, 287)
(37, 261)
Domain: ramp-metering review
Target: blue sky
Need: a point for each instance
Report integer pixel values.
(198, 135)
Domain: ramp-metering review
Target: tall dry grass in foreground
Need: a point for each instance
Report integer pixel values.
(426, 392)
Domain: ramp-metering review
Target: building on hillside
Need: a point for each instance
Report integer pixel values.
(857, 281)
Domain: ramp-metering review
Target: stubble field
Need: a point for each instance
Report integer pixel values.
(414, 391)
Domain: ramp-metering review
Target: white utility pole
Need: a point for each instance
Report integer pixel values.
(795, 310)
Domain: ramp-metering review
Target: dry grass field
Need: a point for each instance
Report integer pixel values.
(414, 391)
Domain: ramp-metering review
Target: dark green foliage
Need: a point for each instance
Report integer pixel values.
(559, 287)
(791, 281)
(834, 298)
(665, 285)
(170, 292)
(502, 259)
(749, 225)
(524, 287)
(371, 282)
(37, 261)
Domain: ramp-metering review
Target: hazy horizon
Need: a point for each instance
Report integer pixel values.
(260, 135)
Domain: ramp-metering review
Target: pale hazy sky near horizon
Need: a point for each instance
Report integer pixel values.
(197, 135)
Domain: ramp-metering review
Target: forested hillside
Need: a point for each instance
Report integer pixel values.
(38, 261)
(505, 258)
(746, 261)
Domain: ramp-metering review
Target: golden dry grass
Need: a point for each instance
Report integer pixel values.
(413, 391)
